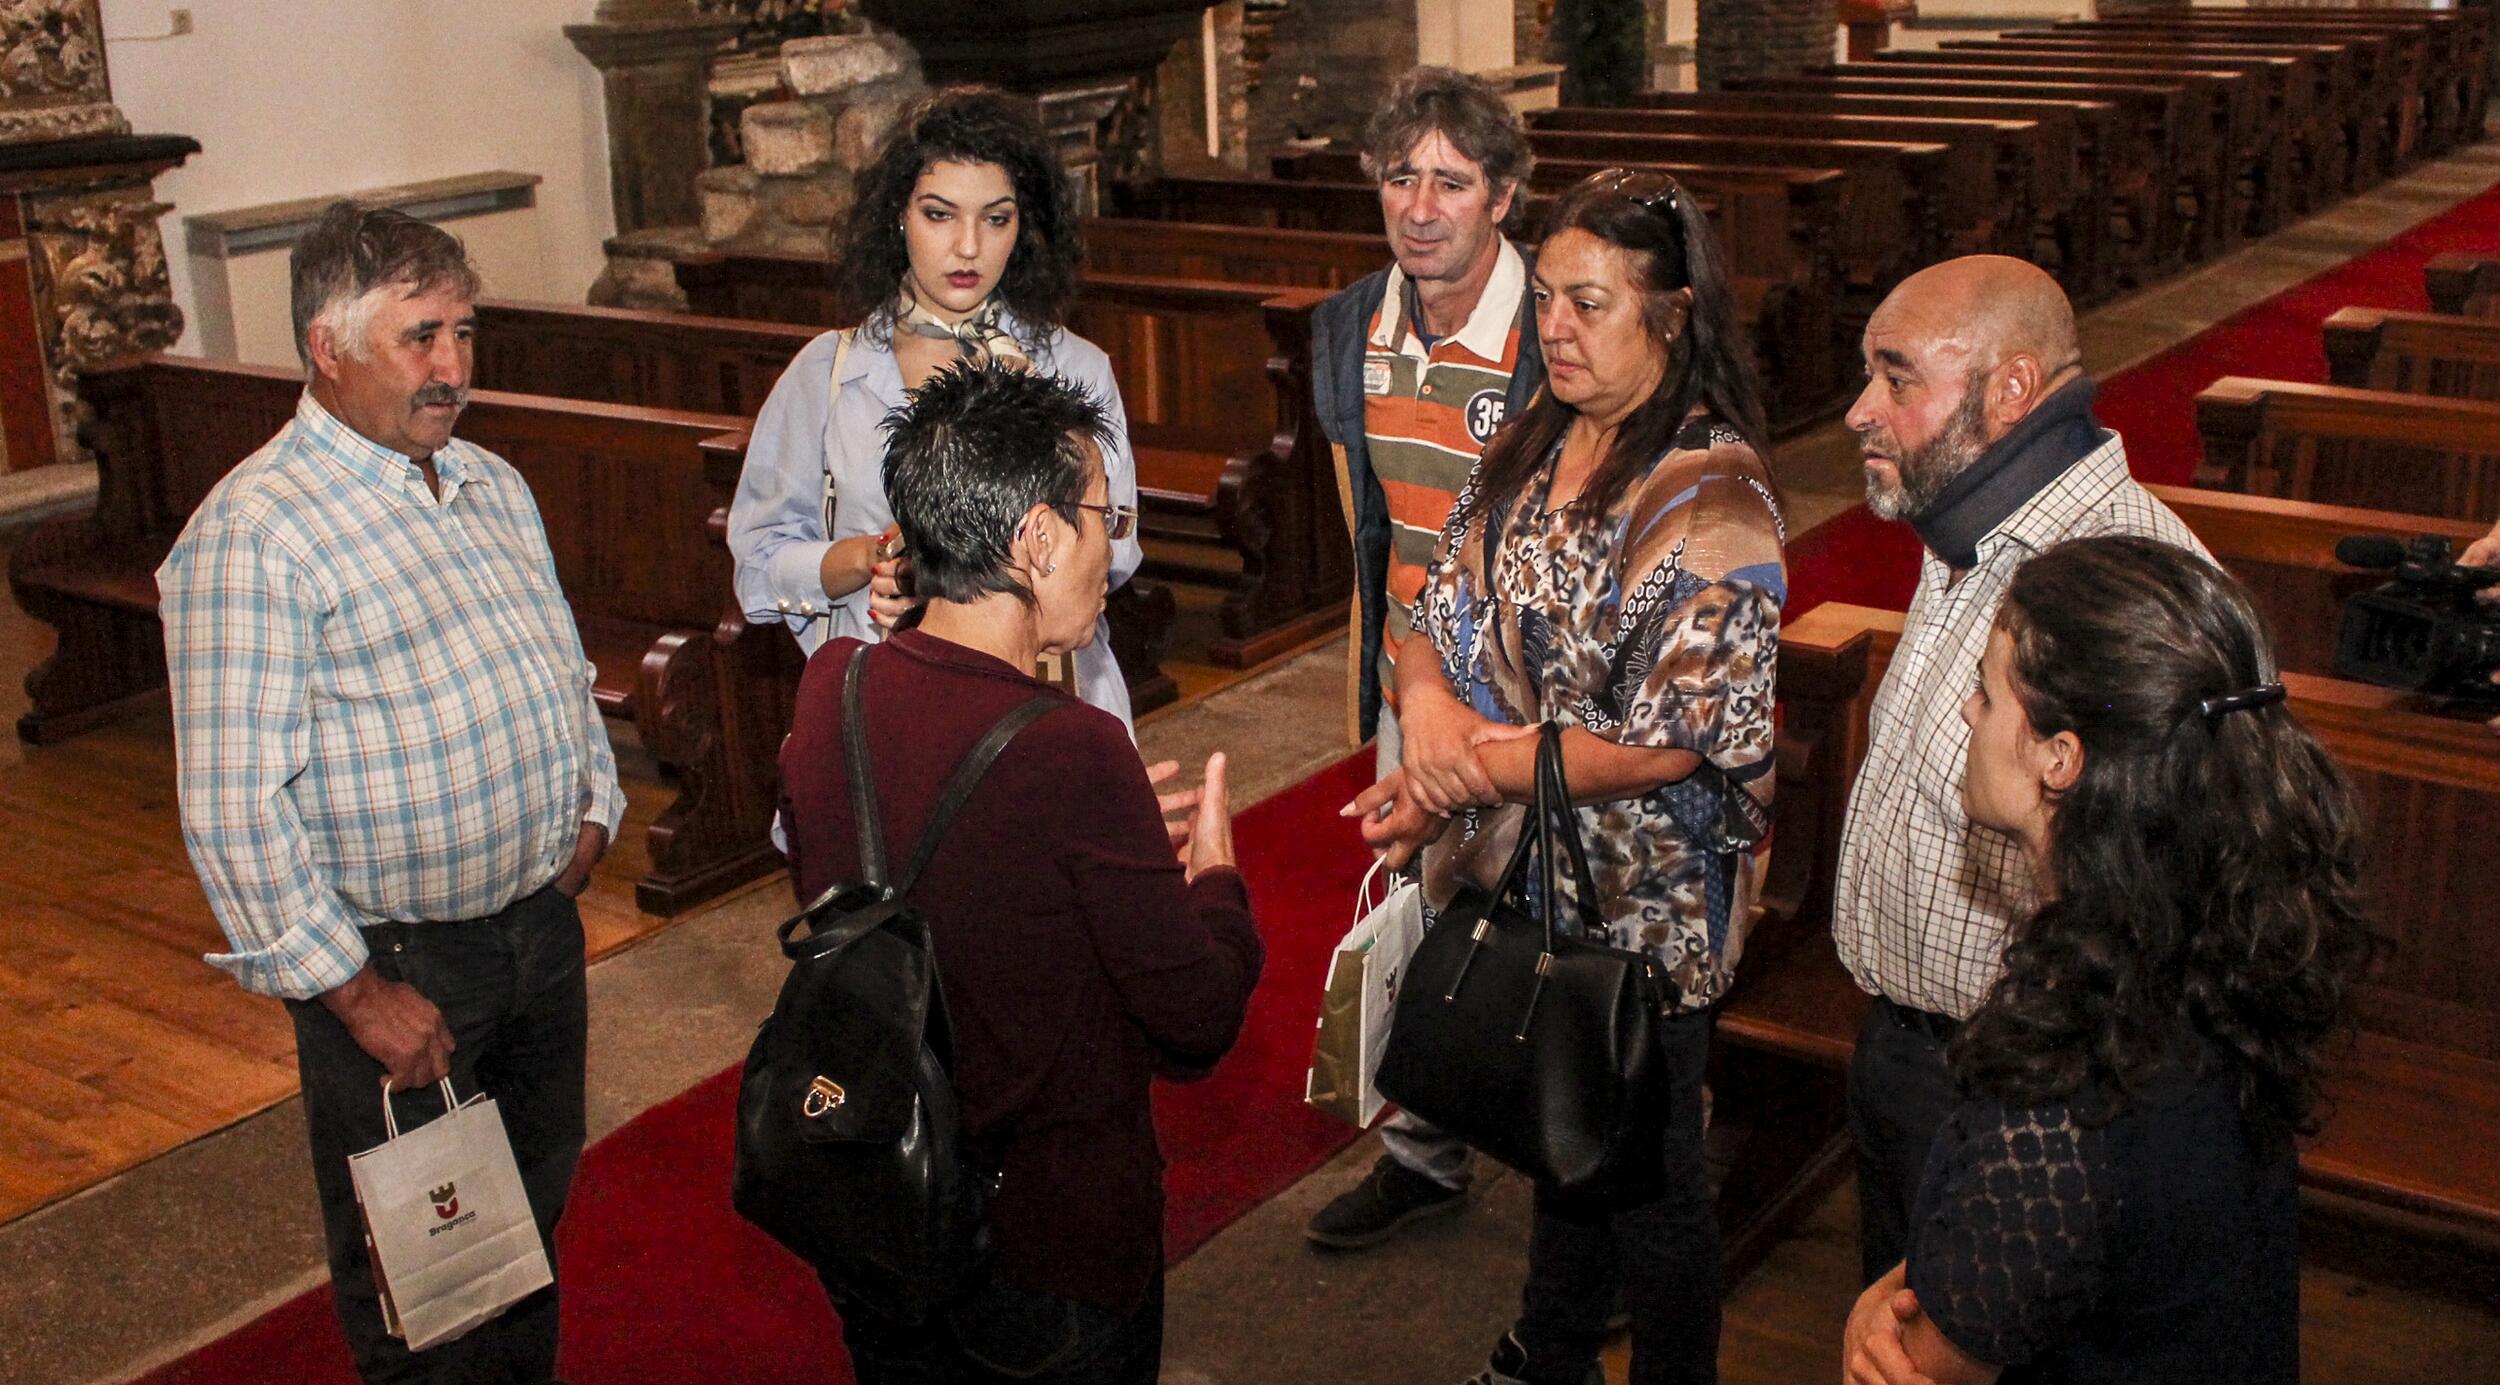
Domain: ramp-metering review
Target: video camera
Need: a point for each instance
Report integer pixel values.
(2425, 631)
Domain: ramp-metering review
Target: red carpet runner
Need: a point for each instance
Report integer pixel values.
(663, 1284)
(1857, 558)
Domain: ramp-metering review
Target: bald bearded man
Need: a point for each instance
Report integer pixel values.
(1976, 427)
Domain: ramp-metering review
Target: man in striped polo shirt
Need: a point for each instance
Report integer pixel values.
(1413, 370)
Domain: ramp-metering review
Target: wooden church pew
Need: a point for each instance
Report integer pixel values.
(2146, 147)
(2072, 199)
(1910, 206)
(2280, 136)
(2012, 158)
(2201, 111)
(625, 494)
(2414, 353)
(2463, 284)
(2441, 58)
(2381, 96)
(2411, 453)
(721, 365)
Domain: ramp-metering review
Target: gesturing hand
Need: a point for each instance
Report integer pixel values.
(1392, 822)
(1181, 801)
(1211, 828)
(396, 1026)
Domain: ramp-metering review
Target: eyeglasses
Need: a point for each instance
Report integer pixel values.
(1121, 520)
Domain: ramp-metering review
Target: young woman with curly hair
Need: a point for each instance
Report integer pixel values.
(2116, 1196)
(964, 245)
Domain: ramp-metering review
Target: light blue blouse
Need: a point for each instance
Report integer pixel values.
(776, 522)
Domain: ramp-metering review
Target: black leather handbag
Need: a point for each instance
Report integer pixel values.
(1529, 1041)
(849, 1147)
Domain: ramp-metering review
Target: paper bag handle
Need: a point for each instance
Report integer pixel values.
(390, 1119)
(1363, 892)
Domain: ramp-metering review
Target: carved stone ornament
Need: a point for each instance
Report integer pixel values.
(52, 79)
(99, 264)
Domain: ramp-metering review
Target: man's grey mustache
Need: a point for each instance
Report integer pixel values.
(442, 394)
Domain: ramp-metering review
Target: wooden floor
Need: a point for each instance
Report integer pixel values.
(117, 1042)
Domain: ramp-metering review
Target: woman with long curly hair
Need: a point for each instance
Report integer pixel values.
(2116, 1195)
(963, 245)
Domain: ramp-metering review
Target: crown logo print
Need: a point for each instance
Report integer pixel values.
(446, 1201)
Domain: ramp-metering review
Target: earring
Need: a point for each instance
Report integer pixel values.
(1049, 568)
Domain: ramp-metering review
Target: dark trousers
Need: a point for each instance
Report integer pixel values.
(1002, 1333)
(511, 990)
(1899, 1095)
(1656, 1235)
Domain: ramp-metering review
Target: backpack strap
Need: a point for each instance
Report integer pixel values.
(951, 799)
(856, 767)
(967, 776)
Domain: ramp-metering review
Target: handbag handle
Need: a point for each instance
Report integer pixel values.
(1555, 818)
(390, 1118)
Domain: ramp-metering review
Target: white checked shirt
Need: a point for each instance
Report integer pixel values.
(381, 708)
(1924, 896)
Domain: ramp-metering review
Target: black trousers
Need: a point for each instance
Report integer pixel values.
(1657, 1237)
(511, 989)
(1002, 1333)
(1899, 1095)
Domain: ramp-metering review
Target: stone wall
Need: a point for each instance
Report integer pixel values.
(1762, 38)
(802, 157)
(1180, 101)
(1332, 62)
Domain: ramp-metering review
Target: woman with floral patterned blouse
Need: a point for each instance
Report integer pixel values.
(1613, 564)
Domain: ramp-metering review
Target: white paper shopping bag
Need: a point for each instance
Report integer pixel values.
(1360, 998)
(447, 1222)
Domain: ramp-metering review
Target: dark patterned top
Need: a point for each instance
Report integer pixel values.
(1655, 626)
(2161, 1245)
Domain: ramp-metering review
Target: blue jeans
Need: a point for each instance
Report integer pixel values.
(512, 990)
(1653, 1231)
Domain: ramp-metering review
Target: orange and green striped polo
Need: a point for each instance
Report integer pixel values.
(1428, 414)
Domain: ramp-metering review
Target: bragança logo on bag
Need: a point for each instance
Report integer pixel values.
(446, 1201)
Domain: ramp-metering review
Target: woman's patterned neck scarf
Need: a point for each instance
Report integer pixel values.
(982, 337)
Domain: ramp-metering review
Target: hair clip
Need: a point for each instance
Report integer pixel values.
(2246, 699)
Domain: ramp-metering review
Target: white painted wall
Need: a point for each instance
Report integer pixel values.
(302, 98)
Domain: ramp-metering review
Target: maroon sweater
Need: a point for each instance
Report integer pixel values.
(1076, 960)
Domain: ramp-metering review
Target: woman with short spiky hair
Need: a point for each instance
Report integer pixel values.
(1079, 958)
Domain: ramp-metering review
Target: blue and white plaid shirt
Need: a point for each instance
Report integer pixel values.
(381, 707)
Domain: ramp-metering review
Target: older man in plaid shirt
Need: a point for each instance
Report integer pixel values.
(1976, 427)
(393, 777)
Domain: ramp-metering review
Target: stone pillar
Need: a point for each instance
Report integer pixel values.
(1763, 38)
(82, 263)
(654, 58)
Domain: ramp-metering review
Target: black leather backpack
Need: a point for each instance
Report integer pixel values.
(849, 1146)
